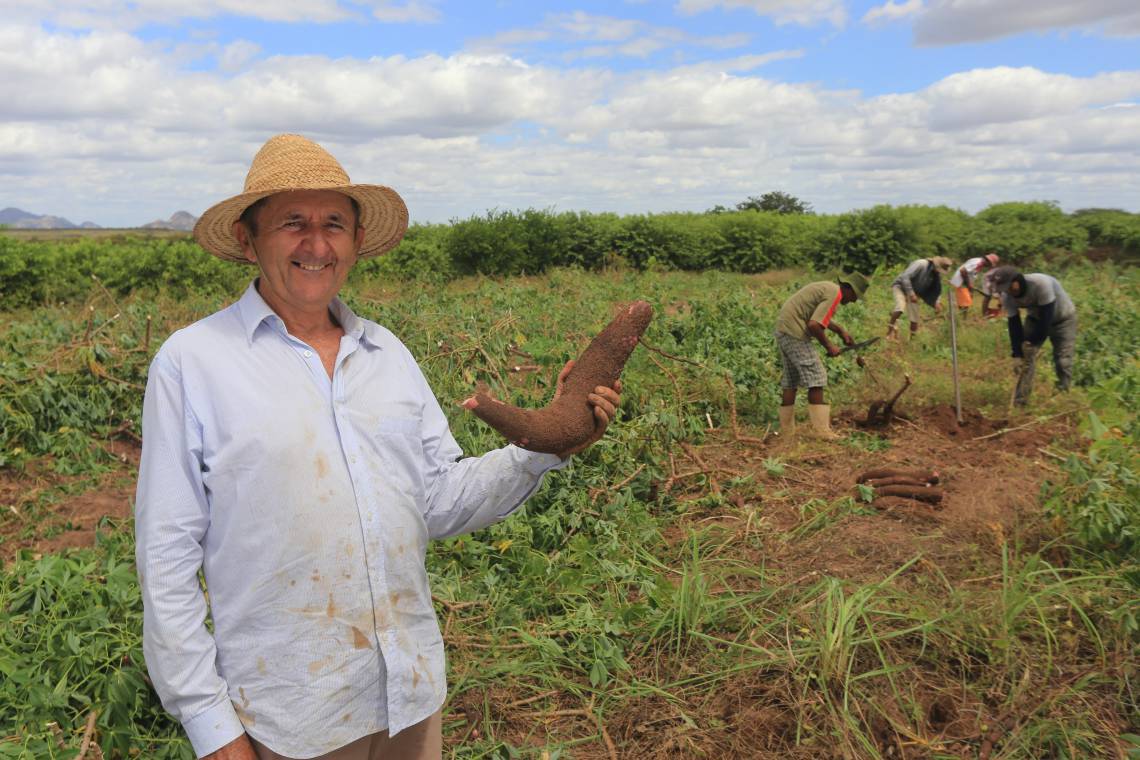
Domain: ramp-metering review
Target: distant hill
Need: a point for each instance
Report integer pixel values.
(182, 220)
(20, 219)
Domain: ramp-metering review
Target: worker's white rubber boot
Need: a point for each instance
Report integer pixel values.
(788, 422)
(820, 416)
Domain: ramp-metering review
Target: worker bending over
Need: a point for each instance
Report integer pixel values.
(1049, 314)
(808, 314)
(922, 279)
(969, 277)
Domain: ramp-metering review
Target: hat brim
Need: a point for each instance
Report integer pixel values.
(383, 215)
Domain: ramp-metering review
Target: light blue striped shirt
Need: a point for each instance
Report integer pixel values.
(308, 503)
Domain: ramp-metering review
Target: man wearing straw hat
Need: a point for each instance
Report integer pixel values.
(295, 455)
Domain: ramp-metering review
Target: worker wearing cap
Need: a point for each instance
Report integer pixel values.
(970, 276)
(808, 314)
(922, 279)
(1050, 313)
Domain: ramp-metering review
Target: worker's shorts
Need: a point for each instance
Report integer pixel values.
(965, 299)
(802, 367)
(902, 303)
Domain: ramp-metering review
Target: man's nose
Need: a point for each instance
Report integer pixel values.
(318, 239)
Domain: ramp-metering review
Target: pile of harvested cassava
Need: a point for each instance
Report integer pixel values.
(921, 485)
(568, 420)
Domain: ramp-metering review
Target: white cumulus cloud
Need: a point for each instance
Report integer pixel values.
(108, 127)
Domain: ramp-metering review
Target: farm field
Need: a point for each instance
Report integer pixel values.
(693, 585)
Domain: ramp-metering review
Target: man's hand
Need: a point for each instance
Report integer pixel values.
(847, 339)
(937, 307)
(605, 402)
(913, 298)
(832, 350)
(239, 749)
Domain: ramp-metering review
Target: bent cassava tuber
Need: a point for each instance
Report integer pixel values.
(568, 421)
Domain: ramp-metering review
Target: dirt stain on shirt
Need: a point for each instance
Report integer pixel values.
(322, 464)
(359, 640)
(261, 666)
(331, 609)
(242, 710)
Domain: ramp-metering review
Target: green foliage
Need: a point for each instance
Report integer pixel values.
(1110, 227)
(421, 255)
(864, 241)
(777, 202)
(1098, 503)
(1018, 231)
(69, 645)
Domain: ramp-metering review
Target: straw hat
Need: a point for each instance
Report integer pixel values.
(292, 162)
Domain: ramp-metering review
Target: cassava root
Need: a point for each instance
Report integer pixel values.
(923, 476)
(568, 421)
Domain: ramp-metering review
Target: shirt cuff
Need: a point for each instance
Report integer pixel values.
(536, 462)
(210, 731)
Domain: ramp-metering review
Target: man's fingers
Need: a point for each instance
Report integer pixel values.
(604, 408)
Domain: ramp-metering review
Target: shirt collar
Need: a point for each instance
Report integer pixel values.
(362, 330)
(253, 311)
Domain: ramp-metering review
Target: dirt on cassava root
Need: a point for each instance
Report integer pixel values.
(568, 421)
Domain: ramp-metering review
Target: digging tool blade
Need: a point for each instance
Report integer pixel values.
(859, 346)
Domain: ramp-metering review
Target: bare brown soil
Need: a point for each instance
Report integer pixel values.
(72, 521)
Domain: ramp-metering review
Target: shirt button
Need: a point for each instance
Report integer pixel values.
(308, 354)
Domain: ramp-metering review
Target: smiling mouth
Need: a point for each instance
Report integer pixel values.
(311, 267)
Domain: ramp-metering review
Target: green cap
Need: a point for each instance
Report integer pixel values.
(857, 281)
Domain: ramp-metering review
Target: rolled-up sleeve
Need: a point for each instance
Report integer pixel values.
(171, 518)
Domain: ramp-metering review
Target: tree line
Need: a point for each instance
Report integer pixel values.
(770, 232)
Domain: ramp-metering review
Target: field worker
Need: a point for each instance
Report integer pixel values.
(1049, 314)
(294, 453)
(808, 314)
(922, 279)
(970, 276)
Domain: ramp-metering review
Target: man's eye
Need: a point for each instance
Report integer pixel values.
(292, 224)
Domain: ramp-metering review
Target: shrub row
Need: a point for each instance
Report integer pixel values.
(531, 241)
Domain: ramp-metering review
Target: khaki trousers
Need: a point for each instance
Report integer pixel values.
(423, 741)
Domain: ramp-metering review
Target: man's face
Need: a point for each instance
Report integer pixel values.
(306, 244)
(1015, 289)
(849, 294)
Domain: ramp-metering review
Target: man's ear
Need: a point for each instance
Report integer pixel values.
(241, 234)
(359, 238)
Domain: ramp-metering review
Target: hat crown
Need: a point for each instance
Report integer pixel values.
(290, 162)
(858, 282)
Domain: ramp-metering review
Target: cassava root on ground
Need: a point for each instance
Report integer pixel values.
(568, 421)
(923, 476)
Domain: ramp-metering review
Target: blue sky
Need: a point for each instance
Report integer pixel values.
(122, 113)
